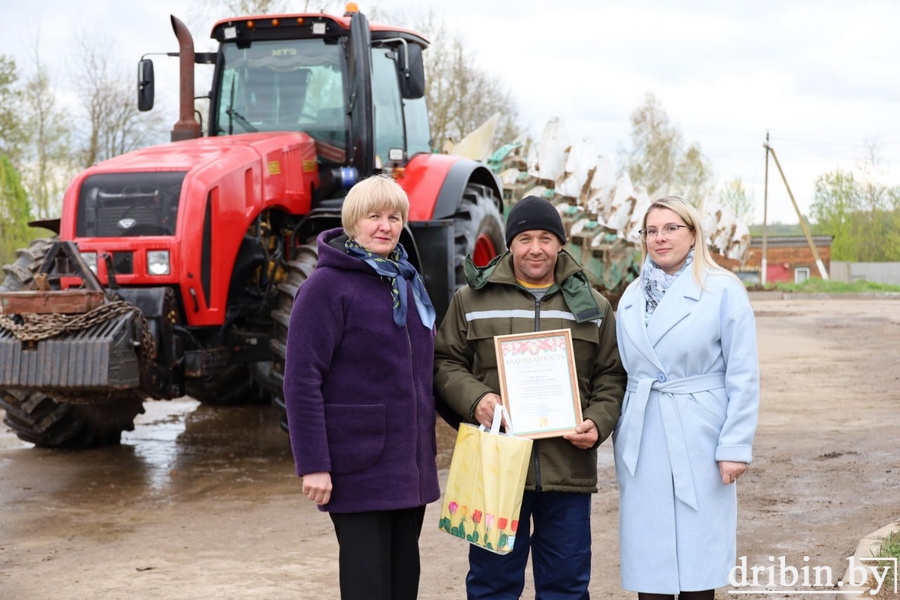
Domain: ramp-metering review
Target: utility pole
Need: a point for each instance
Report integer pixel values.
(819, 264)
(765, 249)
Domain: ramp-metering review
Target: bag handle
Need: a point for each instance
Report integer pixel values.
(499, 409)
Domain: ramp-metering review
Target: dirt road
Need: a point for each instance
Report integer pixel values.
(201, 503)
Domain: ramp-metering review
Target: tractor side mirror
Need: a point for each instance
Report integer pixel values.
(412, 72)
(145, 84)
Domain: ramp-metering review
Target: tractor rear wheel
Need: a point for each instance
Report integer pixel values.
(232, 386)
(298, 271)
(478, 229)
(40, 420)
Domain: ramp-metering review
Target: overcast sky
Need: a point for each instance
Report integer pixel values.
(822, 77)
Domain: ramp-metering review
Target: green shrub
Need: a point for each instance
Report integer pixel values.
(833, 287)
(890, 548)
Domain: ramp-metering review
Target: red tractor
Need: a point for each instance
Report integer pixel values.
(176, 265)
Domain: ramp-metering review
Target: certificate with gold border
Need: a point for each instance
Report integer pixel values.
(538, 383)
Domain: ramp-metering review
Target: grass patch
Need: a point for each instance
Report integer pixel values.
(830, 287)
(890, 548)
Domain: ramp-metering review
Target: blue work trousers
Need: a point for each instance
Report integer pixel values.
(556, 528)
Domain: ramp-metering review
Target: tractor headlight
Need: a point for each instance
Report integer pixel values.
(90, 258)
(158, 262)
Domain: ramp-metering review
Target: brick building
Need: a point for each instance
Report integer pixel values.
(789, 259)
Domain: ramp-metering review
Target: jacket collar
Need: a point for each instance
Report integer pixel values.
(568, 275)
(685, 293)
(330, 244)
(677, 304)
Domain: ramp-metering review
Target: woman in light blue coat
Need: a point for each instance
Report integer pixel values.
(687, 338)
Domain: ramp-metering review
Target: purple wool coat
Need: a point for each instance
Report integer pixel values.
(358, 389)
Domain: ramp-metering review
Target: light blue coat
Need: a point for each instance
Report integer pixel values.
(692, 400)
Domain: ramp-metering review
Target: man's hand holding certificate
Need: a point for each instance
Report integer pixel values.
(539, 385)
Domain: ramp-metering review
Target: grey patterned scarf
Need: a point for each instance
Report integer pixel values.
(655, 282)
(397, 268)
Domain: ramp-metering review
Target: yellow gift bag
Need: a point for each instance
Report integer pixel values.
(484, 490)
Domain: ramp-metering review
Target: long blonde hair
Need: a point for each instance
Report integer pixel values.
(702, 258)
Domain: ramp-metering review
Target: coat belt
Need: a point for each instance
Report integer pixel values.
(633, 428)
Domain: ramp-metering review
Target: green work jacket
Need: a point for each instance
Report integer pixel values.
(495, 304)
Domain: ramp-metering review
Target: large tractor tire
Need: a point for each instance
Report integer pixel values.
(39, 419)
(298, 271)
(233, 386)
(20, 273)
(478, 229)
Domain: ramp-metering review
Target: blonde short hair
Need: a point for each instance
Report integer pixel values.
(378, 192)
(691, 217)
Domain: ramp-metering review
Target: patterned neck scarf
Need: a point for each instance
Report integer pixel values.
(655, 282)
(396, 264)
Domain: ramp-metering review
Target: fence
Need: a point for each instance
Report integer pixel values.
(876, 272)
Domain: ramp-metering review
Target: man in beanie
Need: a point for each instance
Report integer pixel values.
(535, 286)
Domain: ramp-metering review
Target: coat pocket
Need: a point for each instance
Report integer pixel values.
(355, 436)
(709, 407)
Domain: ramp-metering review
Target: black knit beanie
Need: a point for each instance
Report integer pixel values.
(530, 213)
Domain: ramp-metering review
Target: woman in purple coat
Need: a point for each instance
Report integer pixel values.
(358, 391)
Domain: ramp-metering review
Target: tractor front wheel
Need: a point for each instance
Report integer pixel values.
(40, 420)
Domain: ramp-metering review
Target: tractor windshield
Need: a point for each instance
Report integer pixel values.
(283, 85)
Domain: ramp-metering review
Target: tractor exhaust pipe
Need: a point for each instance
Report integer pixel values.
(187, 127)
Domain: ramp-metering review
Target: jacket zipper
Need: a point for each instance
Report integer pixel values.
(537, 462)
(412, 358)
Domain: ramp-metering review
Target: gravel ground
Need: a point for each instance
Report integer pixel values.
(202, 503)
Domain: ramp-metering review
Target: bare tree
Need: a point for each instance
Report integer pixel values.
(269, 7)
(114, 125)
(875, 194)
(12, 133)
(734, 195)
(460, 95)
(693, 175)
(47, 165)
(657, 159)
(250, 7)
(655, 143)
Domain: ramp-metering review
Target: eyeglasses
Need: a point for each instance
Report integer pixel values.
(667, 230)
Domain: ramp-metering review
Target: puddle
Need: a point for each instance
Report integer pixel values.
(155, 436)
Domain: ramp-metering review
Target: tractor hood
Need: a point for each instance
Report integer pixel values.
(177, 214)
(248, 173)
(200, 153)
